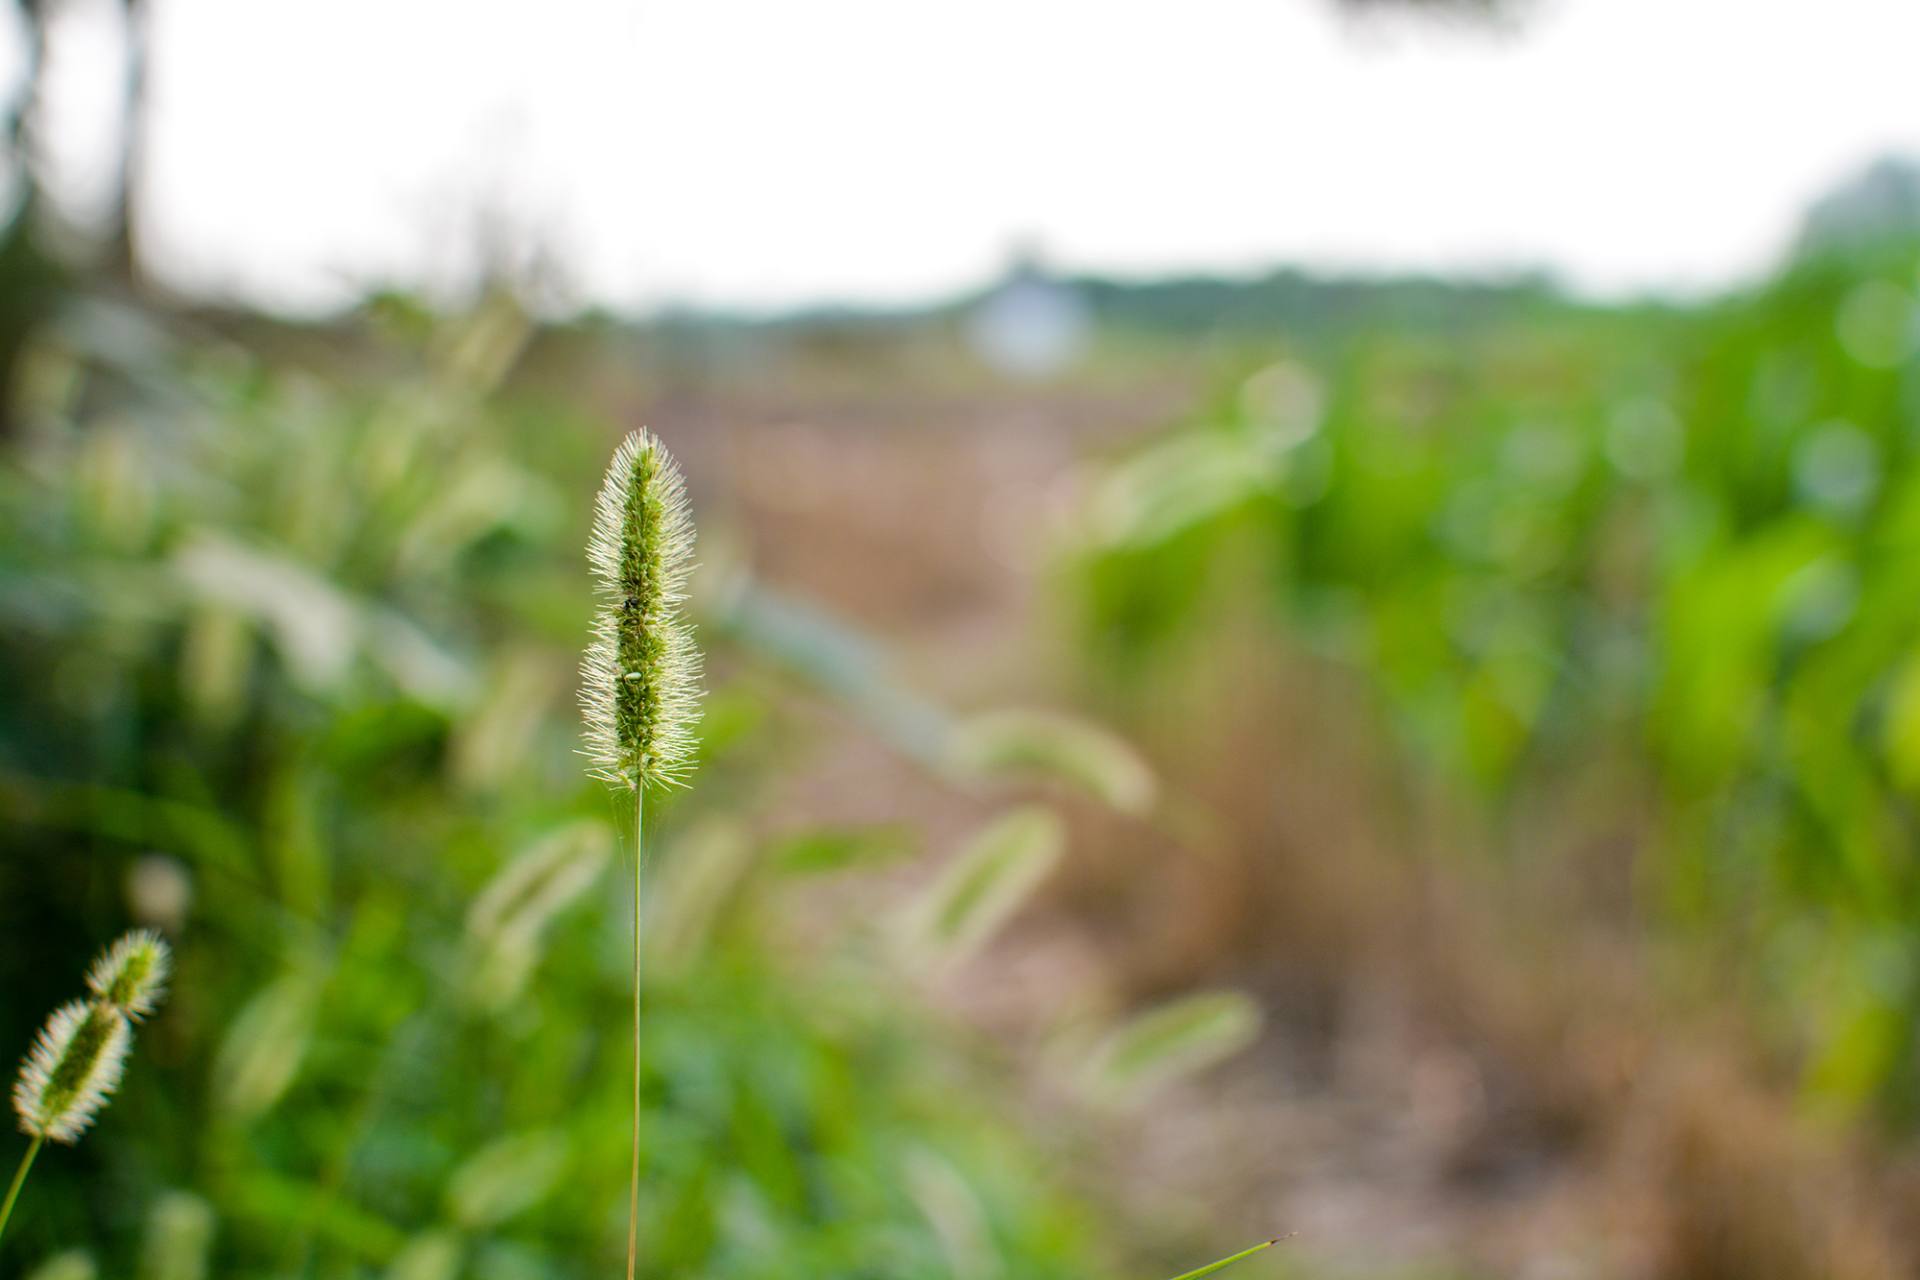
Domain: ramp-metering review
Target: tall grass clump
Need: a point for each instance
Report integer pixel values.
(77, 1059)
(640, 681)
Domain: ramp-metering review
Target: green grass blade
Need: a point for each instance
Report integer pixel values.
(1213, 1268)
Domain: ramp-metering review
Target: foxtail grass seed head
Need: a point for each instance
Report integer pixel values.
(640, 681)
(72, 1070)
(131, 975)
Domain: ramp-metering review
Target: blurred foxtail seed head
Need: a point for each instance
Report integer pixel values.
(131, 975)
(640, 680)
(72, 1070)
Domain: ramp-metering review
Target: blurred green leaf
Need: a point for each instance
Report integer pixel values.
(1167, 1043)
(179, 1238)
(828, 849)
(1058, 747)
(986, 882)
(434, 1255)
(506, 1177)
(262, 1051)
(71, 1264)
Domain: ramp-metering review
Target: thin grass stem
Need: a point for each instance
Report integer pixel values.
(19, 1180)
(633, 1190)
(1214, 1268)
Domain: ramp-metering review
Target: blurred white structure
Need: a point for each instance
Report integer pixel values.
(1030, 325)
(1879, 204)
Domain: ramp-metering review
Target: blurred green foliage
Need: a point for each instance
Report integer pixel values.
(289, 651)
(1675, 544)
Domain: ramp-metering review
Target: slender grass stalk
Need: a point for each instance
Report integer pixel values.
(633, 1186)
(19, 1180)
(1214, 1268)
(640, 679)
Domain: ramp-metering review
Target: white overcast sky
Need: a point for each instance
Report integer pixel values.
(766, 152)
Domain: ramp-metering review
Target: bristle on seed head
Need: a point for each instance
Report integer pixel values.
(640, 680)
